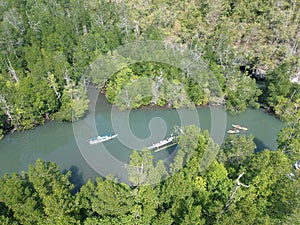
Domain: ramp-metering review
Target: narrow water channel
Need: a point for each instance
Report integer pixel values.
(69, 148)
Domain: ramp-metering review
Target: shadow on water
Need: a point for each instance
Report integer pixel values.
(76, 178)
(171, 149)
(260, 145)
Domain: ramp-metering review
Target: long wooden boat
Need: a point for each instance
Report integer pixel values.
(161, 143)
(101, 139)
(236, 126)
(233, 131)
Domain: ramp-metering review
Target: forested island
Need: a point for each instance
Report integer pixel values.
(252, 49)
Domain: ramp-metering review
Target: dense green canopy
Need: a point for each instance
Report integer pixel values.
(47, 50)
(182, 194)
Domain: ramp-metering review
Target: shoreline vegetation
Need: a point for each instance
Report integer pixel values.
(204, 188)
(46, 48)
(44, 57)
(151, 106)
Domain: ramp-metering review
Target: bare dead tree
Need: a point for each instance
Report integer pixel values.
(136, 30)
(155, 86)
(85, 83)
(84, 29)
(53, 84)
(127, 99)
(6, 108)
(12, 71)
(67, 78)
(292, 124)
(237, 185)
(34, 25)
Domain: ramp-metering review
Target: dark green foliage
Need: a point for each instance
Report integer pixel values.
(40, 196)
(189, 196)
(46, 49)
(50, 45)
(288, 138)
(235, 152)
(33, 100)
(241, 93)
(279, 88)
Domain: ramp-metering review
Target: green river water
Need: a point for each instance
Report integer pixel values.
(66, 143)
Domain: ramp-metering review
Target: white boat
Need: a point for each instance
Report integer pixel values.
(244, 128)
(100, 139)
(161, 143)
(236, 126)
(233, 131)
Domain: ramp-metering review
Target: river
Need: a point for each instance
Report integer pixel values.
(66, 143)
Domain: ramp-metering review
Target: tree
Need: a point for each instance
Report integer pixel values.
(288, 137)
(270, 193)
(74, 102)
(189, 140)
(19, 200)
(140, 167)
(33, 99)
(178, 162)
(104, 199)
(145, 207)
(241, 93)
(235, 152)
(54, 192)
(279, 85)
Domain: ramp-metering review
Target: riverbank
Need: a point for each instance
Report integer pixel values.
(56, 142)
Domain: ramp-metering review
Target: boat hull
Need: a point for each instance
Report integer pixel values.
(233, 131)
(101, 139)
(239, 127)
(161, 143)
